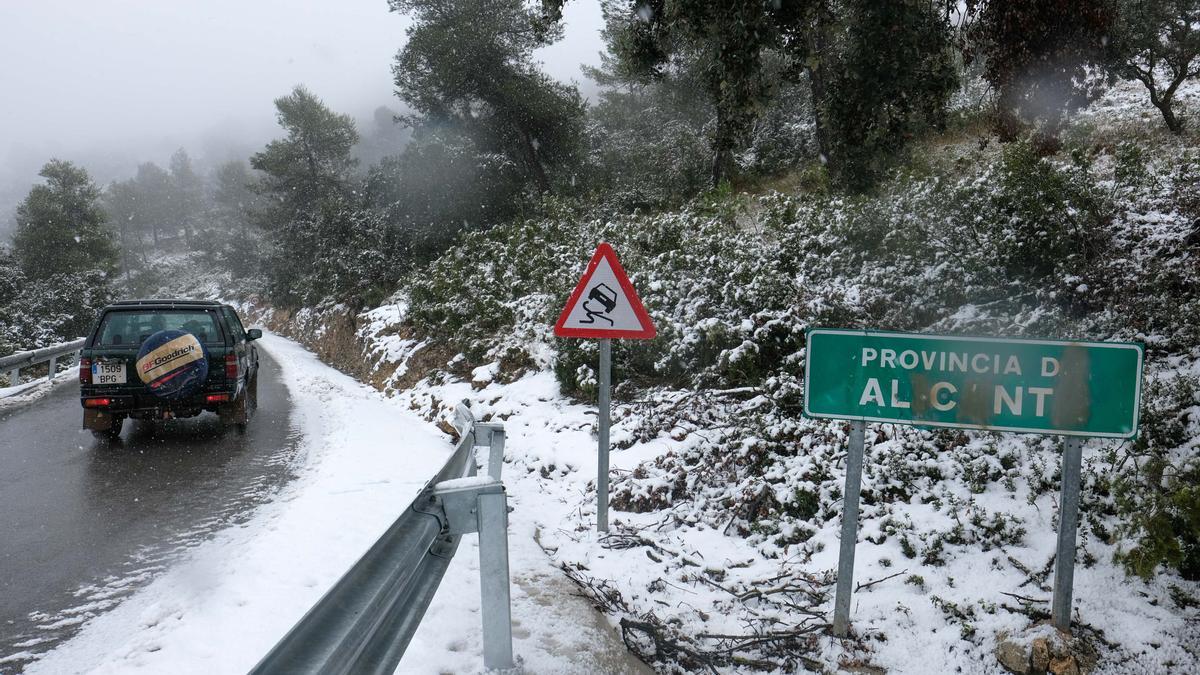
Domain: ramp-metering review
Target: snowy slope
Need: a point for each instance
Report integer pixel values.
(914, 615)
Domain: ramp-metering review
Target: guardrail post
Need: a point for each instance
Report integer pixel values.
(365, 622)
(480, 505)
(53, 368)
(14, 376)
(495, 443)
(493, 578)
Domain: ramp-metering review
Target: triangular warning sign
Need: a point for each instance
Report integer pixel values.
(604, 304)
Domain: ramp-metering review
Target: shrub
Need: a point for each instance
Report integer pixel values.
(1157, 482)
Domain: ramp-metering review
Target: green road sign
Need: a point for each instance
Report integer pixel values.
(1034, 386)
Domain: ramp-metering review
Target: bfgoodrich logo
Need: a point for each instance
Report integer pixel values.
(163, 359)
(169, 357)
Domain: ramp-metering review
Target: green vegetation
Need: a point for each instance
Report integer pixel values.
(994, 242)
(61, 228)
(61, 264)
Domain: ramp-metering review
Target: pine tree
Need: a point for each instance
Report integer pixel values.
(155, 211)
(313, 163)
(236, 208)
(468, 65)
(187, 195)
(61, 228)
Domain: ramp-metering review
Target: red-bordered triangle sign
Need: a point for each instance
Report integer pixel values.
(604, 304)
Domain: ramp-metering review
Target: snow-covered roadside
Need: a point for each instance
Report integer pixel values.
(912, 613)
(555, 630)
(224, 605)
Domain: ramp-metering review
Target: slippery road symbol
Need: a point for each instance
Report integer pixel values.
(604, 304)
(600, 301)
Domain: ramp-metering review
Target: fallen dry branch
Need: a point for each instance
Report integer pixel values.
(869, 584)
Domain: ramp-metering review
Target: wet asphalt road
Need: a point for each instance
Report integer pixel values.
(85, 522)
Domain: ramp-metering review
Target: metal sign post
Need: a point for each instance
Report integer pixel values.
(845, 577)
(605, 306)
(1068, 515)
(602, 463)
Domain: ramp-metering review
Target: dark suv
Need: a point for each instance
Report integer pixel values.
(111, 389)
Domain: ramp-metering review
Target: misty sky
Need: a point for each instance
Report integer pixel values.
(110, 83)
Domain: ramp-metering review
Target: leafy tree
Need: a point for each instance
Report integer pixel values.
(1157, 42)
(1036, 55)
(441, 184)
(349, 254)
(306, 177)
(892, 79)
(385, 137)
(313, 163)
(235, 196)
(54, 309)
(725, 41)
(154, 212)
(647, 146)
(11, 279)
(122, 202)
(11, 283)
(61, 228)
(186, 195)
(154, 204)
(468, 65)
(235, 237)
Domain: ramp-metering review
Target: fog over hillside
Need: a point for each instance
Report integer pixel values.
(110, 85)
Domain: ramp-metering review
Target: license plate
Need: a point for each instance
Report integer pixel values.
(108, 372)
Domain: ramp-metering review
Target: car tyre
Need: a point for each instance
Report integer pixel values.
(244, 406)
(252, 391)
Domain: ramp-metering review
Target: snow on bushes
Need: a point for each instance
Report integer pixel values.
(1101, 243)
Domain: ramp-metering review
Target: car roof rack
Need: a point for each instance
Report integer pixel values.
(166, 301)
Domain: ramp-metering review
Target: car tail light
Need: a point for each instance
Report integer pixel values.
(232, 371)
(85, 371)
(216, 398)
(97, 402)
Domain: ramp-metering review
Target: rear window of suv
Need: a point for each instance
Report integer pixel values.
(131, 328)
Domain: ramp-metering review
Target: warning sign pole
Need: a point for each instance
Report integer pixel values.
(604, 306)
(602, 463)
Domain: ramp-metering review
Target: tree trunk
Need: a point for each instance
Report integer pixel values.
(722, 163)
(817, 79)
(535, 163)
(1168, 97)
(1163, 101)
(1173, 122)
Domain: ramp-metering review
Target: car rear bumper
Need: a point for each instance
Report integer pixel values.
(148, 406)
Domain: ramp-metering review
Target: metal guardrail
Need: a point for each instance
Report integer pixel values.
(366, 621)
(13, 363)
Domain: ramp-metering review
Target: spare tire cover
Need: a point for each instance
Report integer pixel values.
(174, 364)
